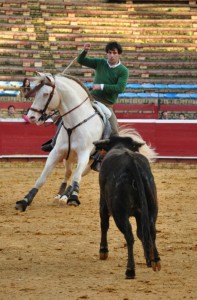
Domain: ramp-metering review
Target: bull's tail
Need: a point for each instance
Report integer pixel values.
(145, 222)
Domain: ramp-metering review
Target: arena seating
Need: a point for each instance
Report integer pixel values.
(20, 107)
(158, 37)
(139, 101)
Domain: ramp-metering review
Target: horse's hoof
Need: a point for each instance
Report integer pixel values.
(56, 200)
(73, 201)
(57, 197)
(64, 197)
(63, 200)
(21, 205)
(130, 274)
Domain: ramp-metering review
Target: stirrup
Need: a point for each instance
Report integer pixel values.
(96, 165)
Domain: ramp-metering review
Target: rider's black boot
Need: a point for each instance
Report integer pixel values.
(96, 165)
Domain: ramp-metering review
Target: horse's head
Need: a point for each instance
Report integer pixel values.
(46, 98)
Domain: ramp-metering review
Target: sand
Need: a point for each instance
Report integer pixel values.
(52, 252)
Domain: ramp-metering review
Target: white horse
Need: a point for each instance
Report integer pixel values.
(82, 125)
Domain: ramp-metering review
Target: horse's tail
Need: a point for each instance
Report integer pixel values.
(145, 150)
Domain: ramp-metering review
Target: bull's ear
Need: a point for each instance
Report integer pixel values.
(140, 144)
(137, 145)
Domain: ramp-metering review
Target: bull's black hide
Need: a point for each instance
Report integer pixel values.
(127, 188)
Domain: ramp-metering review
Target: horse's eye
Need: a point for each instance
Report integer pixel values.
(45, 94)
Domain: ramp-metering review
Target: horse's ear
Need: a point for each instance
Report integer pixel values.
(39, 73)
(49, 79)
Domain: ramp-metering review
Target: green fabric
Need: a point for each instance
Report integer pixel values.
(114, 79)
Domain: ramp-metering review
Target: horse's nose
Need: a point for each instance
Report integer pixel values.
(32, 119)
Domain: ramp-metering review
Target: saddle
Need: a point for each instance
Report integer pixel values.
(105, 114)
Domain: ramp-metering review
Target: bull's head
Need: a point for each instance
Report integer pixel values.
(117, 142)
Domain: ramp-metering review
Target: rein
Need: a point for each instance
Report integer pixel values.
(75, 107)
(37, 88)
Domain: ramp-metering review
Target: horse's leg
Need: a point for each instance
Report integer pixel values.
(71, 194)
(52, 160)
(123, 224)
(62, 188)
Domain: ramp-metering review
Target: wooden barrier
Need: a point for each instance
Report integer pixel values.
(178, 107)
(17, 104)
(20, 108)
(18, 137)
(136, 111)
(171, 139)
(145, 102)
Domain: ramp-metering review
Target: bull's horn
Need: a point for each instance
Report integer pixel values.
(106, 141)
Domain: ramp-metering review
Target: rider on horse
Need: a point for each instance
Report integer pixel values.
(110, 79)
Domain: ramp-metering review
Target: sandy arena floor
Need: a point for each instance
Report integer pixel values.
(51, 252)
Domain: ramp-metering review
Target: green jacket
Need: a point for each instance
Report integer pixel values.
(114, 79)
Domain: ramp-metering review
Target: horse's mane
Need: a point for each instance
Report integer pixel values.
(41, 78)
(78, 81)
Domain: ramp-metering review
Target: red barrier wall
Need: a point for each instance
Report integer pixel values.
(170, 138)
(21, 138)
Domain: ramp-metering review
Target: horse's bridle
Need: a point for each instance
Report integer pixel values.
(44, 116)
(42, 111)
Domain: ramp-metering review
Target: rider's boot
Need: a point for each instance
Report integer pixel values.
(98, 158)
(47, 147)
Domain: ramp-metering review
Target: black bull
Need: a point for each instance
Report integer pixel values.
(127, 188)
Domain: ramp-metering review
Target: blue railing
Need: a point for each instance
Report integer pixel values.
(146, 94)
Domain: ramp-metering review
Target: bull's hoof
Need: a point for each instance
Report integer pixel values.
(156, 265)
(73, 201)
(21, 205)
(130, 274)
(103, 253)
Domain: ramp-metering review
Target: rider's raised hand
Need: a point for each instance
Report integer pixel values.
(87, 46)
